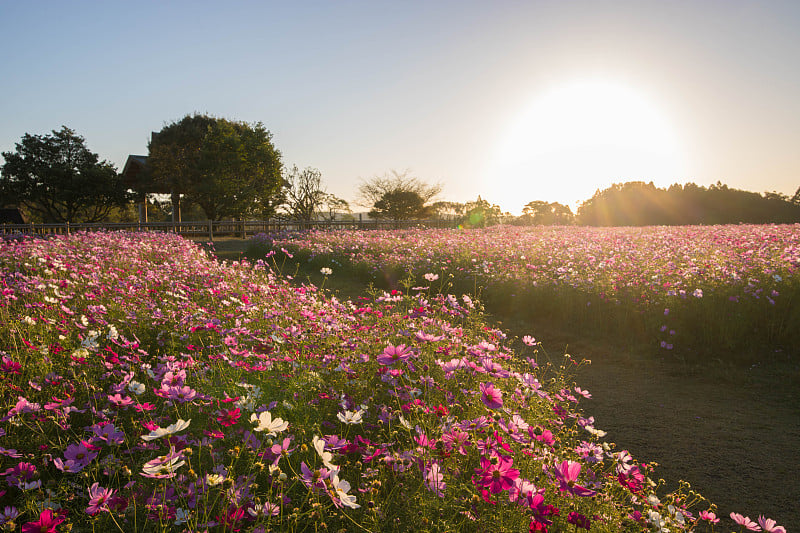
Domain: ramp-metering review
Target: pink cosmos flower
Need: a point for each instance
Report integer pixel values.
(19, 474)
(119, 400)
(770, 525)
(567, 474)
(9, 366)
(579, 520)
(83, 452)
(544, 436)
(709, 516)
(496, 473)
(491, 396)
(393, 354)
(182, 394)
(530, 341)
(456, 439)
(163, 467)
(433, 480)
(69, 466)
(314, 478)
(228, 418)
(109, 433)
(48, 520)
(173, 379)
(98, 499)
(745, 522)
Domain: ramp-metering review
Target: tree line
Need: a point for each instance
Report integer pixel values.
(222, 169)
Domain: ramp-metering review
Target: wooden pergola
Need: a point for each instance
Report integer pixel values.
(135, 177)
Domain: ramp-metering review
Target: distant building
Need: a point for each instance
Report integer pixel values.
(11, 216)
(135, 177)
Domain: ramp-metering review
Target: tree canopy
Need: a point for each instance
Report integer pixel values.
(228, 168)
(399, 205)
(641, 204)
(56, 178)
(303, 193)
(539, 212)
(481, 213)
(396, 196)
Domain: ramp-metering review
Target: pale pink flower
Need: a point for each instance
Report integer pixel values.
(745, 522)
(770, 525)
(433, 480)
(98, 498)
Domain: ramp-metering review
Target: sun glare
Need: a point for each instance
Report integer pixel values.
(580, 137)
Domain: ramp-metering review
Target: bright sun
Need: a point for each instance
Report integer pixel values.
(580, 137)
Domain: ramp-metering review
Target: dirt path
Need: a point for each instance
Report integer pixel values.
(734, 438)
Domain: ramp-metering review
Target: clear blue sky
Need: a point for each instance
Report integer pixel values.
(359, 88)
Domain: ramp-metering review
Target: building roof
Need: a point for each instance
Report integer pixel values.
(134, 174)
(11, 216)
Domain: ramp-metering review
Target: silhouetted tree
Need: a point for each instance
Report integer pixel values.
(546, 213)
(375, 188)
(334, 206)
(399, 205)
(641, 204)
(481, 213)
(56, 178)
(304, 193)
(447, 210)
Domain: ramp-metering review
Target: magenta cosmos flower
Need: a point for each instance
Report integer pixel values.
(491, 396)
(496, 473)
(393, 354)
(567, 473)
(46, 524)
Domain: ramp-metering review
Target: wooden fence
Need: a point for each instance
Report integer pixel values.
(210, 230)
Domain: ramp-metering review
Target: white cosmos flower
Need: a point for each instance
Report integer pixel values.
(326, 271)
(136, 387)
(212, 480)
(266, 423)
(319, 445)
(351, 417)
(180, 425)
(341, 487)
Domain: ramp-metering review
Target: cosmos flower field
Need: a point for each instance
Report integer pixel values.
(146, 386)
(688, 288)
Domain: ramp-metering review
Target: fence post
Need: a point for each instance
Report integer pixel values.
(67, 227)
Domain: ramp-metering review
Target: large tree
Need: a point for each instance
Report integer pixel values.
(399, 205)
(304, 194)
(228, 168)
(396, 196)
(481, 213)
(374, 189)
(56, 178)
(547, 213)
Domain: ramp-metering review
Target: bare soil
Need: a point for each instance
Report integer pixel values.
(732, 433)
